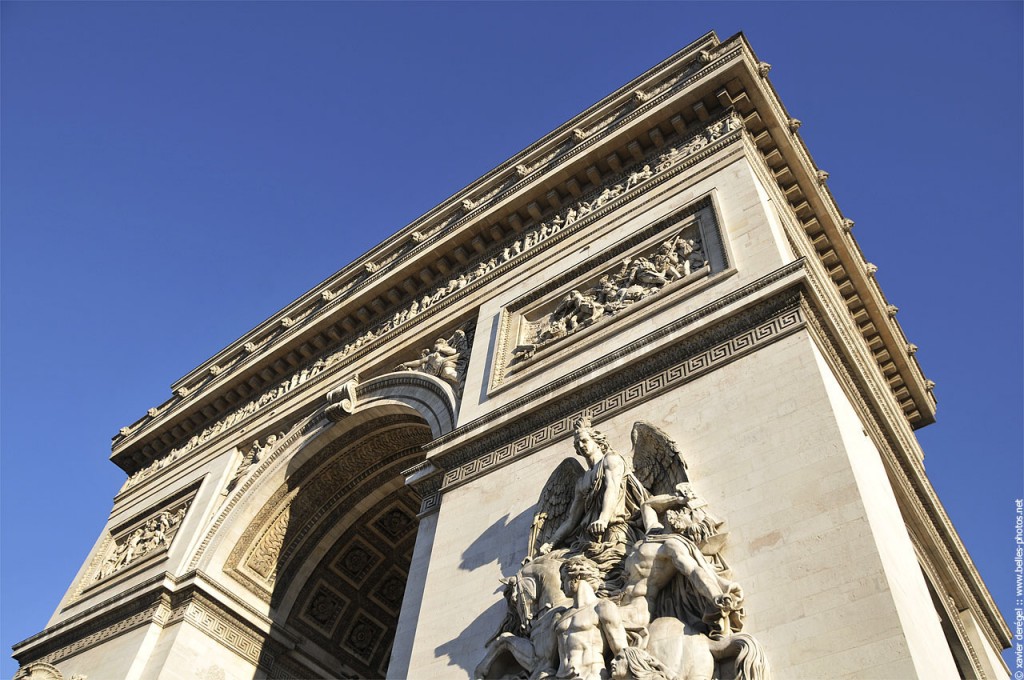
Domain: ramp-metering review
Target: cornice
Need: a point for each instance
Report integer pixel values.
(804, 186)
(660, 107)
(668, 160)
(421, 236)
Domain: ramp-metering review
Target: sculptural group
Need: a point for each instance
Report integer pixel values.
(636, 279)
(623, 576)
(155, 533)
(446, 359)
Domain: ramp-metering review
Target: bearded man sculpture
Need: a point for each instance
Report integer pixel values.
(627, 569)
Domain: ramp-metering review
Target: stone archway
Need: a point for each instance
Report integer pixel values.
(329, 547)
(319, 533)
(351, 601)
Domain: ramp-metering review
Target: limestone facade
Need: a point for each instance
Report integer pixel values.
(340, 492)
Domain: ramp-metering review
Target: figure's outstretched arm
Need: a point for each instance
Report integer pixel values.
(612, 626)
(654, 506)
(703, 580)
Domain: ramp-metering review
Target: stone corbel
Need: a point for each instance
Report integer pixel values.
(342, 400)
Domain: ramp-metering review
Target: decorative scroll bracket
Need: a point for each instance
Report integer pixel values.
(342, 400)
(430, 397)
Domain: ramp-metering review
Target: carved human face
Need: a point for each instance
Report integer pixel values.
(586, 446)
(620, 669)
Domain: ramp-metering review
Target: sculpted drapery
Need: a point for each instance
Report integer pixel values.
(623, 576)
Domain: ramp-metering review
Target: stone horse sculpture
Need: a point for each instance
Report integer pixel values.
(536, 602)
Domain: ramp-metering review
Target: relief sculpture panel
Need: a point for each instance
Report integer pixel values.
(671, 255)
(636, 279)
(623, 575)
(447, 358)
(142, 539)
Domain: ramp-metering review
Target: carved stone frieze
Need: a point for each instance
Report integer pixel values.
(635, 279)
(649, 170)
(235, 417)
(143, 539)
(688, 250)
(623, 562)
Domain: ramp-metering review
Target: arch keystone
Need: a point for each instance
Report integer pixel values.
(430, 397)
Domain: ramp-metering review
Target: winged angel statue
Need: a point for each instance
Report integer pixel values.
(623, 576)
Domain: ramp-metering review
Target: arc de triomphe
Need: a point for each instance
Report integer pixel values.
(383, 479)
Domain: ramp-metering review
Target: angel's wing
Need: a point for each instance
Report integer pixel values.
(554, 502)
(657, 461)
(459, 342)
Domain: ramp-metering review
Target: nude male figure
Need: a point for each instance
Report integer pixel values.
(588, 627)
(655, 561)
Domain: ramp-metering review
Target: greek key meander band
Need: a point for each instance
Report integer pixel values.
(690, 368)
(201, 613)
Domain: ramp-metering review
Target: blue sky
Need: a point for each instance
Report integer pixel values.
(174, 173)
